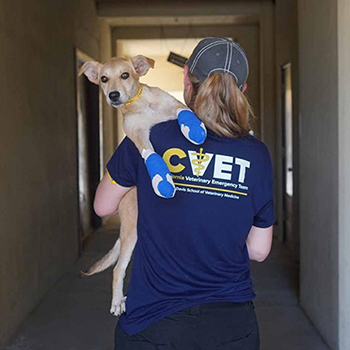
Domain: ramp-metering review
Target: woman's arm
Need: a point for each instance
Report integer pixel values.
(259, 243)
(108, 197)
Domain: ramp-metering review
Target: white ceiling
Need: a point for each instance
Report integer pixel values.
(128, 21)
(179, 12)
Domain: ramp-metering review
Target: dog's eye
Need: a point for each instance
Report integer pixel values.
(104, 79)
(125, 75)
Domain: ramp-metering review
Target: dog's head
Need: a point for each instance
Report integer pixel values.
(118, 78)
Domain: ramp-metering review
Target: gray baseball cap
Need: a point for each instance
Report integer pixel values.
(219, 55)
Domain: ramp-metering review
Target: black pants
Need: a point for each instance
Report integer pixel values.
(221, 325)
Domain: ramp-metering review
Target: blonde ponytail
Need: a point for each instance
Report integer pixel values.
(221, 106)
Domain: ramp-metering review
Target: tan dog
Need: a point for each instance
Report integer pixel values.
(142, 107)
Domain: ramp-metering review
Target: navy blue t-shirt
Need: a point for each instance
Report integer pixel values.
(191, 248)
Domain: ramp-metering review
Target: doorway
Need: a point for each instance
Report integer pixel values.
(287, 145)
(89, 149)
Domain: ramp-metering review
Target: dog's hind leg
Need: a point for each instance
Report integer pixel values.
(118, 299)
(128, 238)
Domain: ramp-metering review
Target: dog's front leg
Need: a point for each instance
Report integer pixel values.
(161, 177)
(191, 126)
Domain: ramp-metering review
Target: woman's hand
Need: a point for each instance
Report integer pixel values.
(108, 196)
(259, 243)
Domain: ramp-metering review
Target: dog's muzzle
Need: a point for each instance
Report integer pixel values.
(114, 96)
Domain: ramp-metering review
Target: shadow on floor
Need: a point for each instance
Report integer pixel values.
(74, 315)
(283, 324)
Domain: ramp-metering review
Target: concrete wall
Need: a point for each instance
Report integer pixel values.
(319, 174)
(38, 152)
(344, 172)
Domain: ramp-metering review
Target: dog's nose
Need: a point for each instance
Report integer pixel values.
(114, 96)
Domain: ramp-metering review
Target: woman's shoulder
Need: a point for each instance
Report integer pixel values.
(169, 125)
(248, 142)
(258, 147)
(165, 130)
(169, 132)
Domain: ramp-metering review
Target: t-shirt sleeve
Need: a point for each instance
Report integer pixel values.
(264, 212)
(122, 168)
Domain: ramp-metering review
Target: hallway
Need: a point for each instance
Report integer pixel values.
(74, 315)
(57, 135)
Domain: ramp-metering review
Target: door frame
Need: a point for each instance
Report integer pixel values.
(82, 56)
(284, 148)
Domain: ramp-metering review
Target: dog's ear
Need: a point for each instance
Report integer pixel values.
(91, 70)
(142, 64)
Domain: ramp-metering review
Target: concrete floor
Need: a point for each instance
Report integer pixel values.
(74, 315)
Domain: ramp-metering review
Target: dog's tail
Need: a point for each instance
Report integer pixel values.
(105, 262)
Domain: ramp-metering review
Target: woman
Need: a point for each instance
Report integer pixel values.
(190, 286)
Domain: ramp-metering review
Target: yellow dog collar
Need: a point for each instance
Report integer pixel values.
(134, 98)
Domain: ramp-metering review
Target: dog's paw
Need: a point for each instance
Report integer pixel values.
(162, 181)
(191, 127)
(118, 306)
